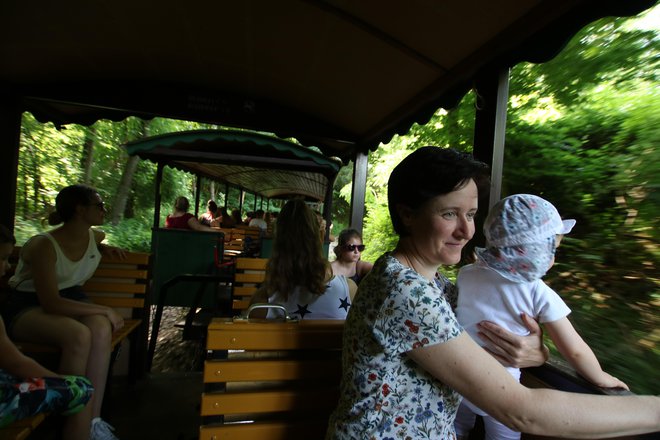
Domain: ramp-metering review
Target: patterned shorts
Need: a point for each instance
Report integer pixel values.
(22, 398)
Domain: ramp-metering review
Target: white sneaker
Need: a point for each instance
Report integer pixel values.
(101, 430)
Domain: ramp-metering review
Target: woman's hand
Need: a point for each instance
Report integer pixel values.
(513, 350)
(115, 318)
(112, 251)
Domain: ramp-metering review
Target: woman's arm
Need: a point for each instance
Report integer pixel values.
(464, 366)
(352, 288)
(16, 363)
(106, 249)
(363, 267)
(579, 355)
(195, 225)
(40, 255)
(513, 350)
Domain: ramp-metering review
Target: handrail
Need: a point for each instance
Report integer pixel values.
(257, 306)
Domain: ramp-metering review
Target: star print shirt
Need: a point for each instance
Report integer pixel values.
(384, 394)
(332, 304)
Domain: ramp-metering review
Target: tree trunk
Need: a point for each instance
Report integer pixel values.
(124, 188)
(88, 155)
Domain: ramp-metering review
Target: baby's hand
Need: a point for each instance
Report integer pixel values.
(608, 381)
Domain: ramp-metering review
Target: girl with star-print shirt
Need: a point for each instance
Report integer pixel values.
(298, 274)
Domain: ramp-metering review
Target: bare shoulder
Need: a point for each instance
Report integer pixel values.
(37, 248)
(364, 266)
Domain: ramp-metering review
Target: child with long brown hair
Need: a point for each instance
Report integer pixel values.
(298, 276)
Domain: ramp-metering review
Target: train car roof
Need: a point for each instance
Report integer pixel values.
(340, 75)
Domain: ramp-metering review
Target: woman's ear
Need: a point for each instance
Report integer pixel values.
(406, 214)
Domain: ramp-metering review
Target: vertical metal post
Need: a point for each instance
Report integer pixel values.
(198, 193)
(490, 126)
(10, 131)
(359, 190)
(492, 89)
(327, 207)
(157, 197)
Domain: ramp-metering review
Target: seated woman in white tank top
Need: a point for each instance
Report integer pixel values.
(298, 276)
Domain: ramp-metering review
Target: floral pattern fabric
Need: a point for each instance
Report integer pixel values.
(22, 398)
(384, 394)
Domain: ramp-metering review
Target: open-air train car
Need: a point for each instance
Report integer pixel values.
(342, 76)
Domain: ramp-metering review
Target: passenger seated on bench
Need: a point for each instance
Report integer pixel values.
(258, 220)
(227, 220)
(211, 217)
(47, 304)
(349, 251)
(182, 219)
(27, 388)
(298, 276)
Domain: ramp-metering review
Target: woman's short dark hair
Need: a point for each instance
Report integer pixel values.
(429, 172)
(211, 206)
(68, 199)
(6, 236)
(181, 204)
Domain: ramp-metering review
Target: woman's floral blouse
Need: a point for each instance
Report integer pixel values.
(384, 394)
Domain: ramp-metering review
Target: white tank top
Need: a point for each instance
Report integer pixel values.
(69, 273)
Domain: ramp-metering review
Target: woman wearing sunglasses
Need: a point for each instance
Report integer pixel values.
(349, 250)
(47, 303)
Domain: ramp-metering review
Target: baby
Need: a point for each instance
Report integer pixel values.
(522, 233)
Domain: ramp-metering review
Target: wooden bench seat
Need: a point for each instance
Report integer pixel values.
(249, 275)
(242, 241)
(118, 283)
(274, 380)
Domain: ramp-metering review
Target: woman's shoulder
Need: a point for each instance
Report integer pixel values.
(37, 245)
(363, 267)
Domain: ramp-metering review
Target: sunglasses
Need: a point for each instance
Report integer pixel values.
(352, 247)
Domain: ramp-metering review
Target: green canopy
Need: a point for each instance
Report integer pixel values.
(258, 163)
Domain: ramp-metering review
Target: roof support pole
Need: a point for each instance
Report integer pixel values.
(327, 207)
(198, 193)
(359, 190)
(492, 90)
(492, 99)
(226, 195)
(10, 131)
(157, 198)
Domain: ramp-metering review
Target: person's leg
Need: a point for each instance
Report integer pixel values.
(464, 422)
(74, 340)
(497, 431)
(71, 336)
(77, 426)
(99, 357)
(21, 398)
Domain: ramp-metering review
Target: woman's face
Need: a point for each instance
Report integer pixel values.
(94, 211)
(350, 251)
(5, 253)
(442, 226)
